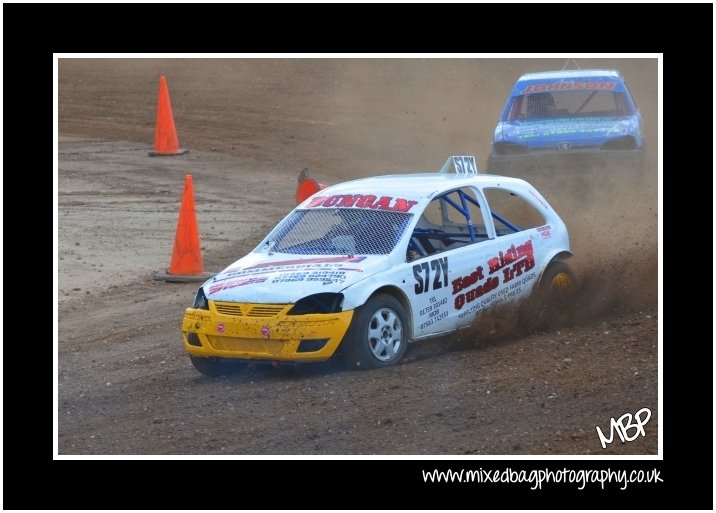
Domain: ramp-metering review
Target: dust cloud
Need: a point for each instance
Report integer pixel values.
(349, 118)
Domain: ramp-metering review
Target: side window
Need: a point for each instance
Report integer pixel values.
(432, 215)
(515, 108)
(450, 221)
(628, 93)
(511, 213)
(622, 108)
(456, 218)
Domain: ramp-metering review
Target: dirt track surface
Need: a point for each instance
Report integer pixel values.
(127, 387)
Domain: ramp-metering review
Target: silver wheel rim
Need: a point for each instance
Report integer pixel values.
(385, 334)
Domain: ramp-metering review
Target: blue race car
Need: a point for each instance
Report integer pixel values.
(567, 118)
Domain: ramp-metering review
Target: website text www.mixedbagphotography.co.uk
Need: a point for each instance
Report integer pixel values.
(537, 478)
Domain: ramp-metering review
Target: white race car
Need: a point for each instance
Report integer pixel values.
(369, 265)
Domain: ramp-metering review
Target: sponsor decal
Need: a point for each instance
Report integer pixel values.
(582, 127)
(513, 262)
(319, 260)
(432, 313)
(432, 275)
(363, 201)
(493, 283)
(265, 331)
(233, 284)
(545, 232)
(295, 268)
(421, 273)
(476, 292)
(327, 277)
(220, 328)
(464, 282)
(567, 86)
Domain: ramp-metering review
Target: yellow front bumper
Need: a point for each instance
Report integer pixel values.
(262, 332)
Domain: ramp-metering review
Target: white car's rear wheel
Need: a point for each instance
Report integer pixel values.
(556, 294)
(377, 336)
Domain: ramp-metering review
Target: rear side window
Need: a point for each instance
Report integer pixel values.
(450, 221)
(511, 213)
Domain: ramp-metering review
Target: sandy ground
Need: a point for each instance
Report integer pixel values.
(125, 383)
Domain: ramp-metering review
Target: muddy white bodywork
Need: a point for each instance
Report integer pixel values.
(441, 291)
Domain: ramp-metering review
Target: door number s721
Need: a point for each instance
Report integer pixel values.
(439, 269)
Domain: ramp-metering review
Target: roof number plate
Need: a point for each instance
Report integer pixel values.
(464, 164)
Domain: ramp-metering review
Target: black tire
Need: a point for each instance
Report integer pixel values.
(215, 367)
(556, 295)
(490, 167)
(378, 336)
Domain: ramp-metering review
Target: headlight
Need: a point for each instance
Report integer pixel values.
(323, 303)
(200, 300)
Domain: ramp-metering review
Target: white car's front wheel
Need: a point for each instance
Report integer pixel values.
(378, 335)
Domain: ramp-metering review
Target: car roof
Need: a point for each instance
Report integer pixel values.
(419, 186)
(572, 73)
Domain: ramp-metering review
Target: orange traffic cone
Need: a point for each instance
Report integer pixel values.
(307, 187)
(186, 265)
(166, 142)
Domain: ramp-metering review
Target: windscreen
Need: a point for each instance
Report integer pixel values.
(340, 231)
(568, 104)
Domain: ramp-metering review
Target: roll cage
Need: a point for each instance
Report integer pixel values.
(421, 238)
